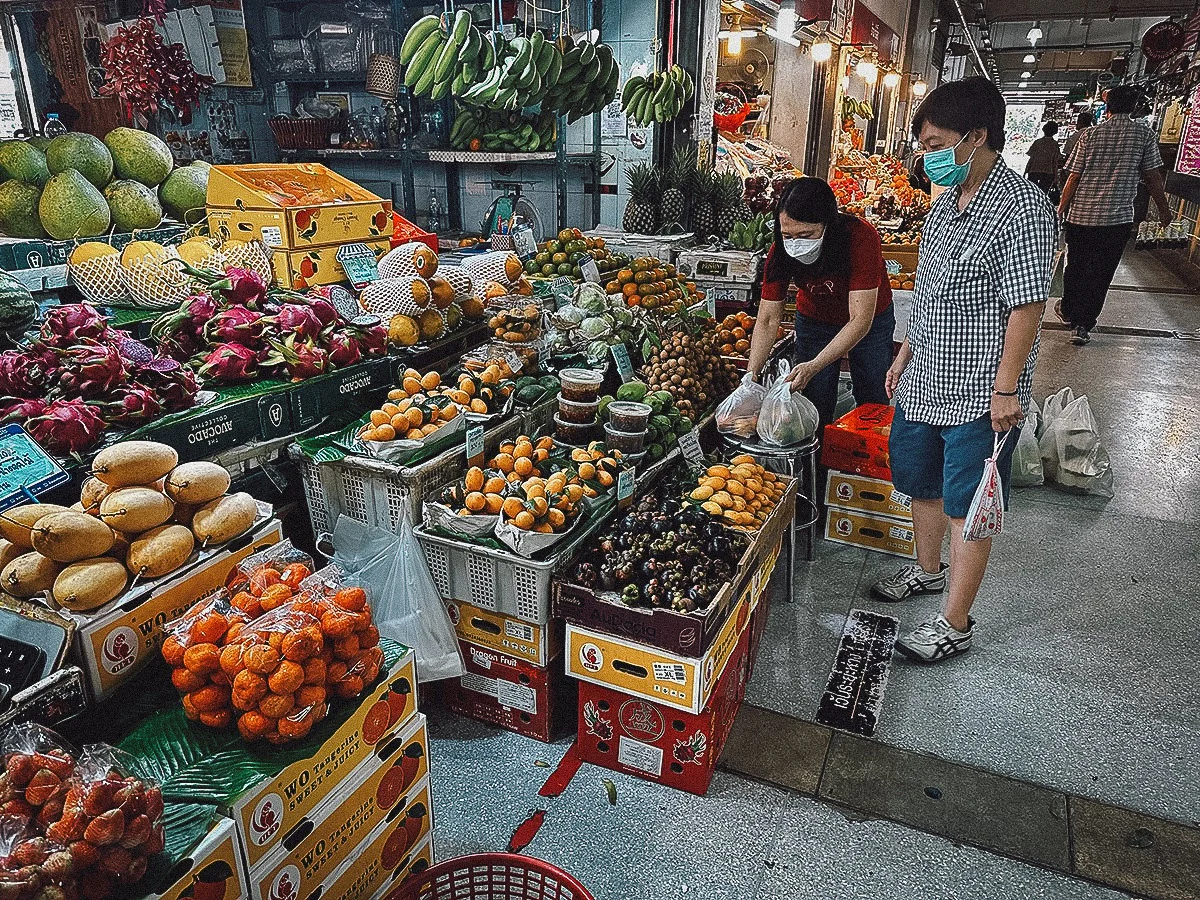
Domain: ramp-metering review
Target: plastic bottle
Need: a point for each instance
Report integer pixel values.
(53, 126)
(435, 212)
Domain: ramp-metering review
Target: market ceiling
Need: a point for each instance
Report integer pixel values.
(1031, 10)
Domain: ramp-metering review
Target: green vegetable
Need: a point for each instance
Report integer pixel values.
(632, 390)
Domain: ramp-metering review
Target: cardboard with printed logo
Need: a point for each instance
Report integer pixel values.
(871, 532)
(319, 846)
(659, 742)
(380, 864)
(114, 643)
(534, 644)
(275, 807)
(212, 870)
(502, 690)
(864, 494)
(313, 266)
(858, 442)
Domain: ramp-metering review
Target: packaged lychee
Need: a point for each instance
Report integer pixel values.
(268, 579)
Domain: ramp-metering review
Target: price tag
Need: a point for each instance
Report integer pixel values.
(626, 482)
(524, 241)
(589, 270)
(620, 355)
(515, 361)
(272, 236)
(689, 446)
(26, 470)
(475, 445)
(359, 263)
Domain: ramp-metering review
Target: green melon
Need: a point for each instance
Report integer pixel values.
(71, 207)
(134, 206)
(139, 156)
(18, 309)
(82, 152)
(185, 190)
(24, 162)
(40, 141)
(19, 210)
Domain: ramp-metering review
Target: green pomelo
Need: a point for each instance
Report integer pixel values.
(134, 206)
(82, 152)
(40, 141)
(19, 210)
(71, 207)
(185, 190)
(24, 162)
(139, 156)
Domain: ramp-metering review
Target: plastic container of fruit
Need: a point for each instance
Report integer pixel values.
(628, 442)
(573, 433)
(629, 416)
(577, 413)
(581, 385)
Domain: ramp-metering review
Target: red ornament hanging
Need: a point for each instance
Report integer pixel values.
(146, 73)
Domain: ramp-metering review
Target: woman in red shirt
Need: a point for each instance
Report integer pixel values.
(843, 298)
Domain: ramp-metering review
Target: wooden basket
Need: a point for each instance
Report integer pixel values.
(305, 134)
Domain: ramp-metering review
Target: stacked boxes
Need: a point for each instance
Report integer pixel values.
(864, 509)
(728, 277)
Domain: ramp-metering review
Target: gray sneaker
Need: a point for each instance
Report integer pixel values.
(1081, 336)
(910, 581)
(936, 640)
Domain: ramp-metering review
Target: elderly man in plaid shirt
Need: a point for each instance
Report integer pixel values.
(1103, 172)
(964, 374)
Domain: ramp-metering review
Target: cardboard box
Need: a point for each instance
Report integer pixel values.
(871, 532)
(312, 266)
(864, 494)
(534, 644)
(858, 442)
(721, 265)
(244, 203)
(213, 870)
(211, 429)
(656, 741)
(333, 835)
(314, 399)
(115, 644)
(365, 875)
(650, 673)
(502, 690)
(274, 808)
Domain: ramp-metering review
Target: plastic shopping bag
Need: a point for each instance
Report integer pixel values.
(1051, 410)
(787, 416)
(738, 413)
(1072, 452)
(408, 606)
(985, 518)
(1027, 457)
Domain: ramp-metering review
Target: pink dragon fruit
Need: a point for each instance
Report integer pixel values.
(174, 385)
(64, 325)
(180, 334)
(229, 363)
(242, 287)
(20, 410)
(66, 426)
(302, 359)
(131, 404)
(295, 319)
(236, 325)
(21, 375)
(343, 349)
(89, 369)
(372, 339)
(325, 311)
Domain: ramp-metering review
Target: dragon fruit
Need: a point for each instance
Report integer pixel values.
(343, 349)
(325, 311)
(372, 339)
(302, 359)
(175, 386)
(20, 410)
(180, 334)
(229, 363)
(64, 325)
(236, 325)
(242, 287)
(131, 404)
(89, 369)
(66, 426)
(298, 320)
(21, 375)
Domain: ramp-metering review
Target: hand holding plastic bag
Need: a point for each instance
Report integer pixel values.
(985, 518)
(738, 413)
(787, 416)
(1027, 457)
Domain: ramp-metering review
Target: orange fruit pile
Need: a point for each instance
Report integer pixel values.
(742, 493)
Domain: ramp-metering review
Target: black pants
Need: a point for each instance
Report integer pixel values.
(1093, 253)
(1044, 180)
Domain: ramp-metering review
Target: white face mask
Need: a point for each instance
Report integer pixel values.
(804, 250)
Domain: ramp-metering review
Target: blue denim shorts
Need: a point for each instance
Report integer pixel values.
(931, 462)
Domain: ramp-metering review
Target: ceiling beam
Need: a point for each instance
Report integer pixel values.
(1028, 10)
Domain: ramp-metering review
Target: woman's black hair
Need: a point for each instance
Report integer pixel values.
(1050, 129)
(1085, 119)
(808, 199)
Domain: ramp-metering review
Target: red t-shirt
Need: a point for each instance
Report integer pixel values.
(827, 299)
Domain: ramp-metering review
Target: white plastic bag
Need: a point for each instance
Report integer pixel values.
(407, 605)
(1027, 456)
(985, 518)
(787, 416)
(1051, 410)
(1072, 452)
(738, 413)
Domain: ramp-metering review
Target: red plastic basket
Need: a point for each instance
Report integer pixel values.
(732, 121)
(492, 876)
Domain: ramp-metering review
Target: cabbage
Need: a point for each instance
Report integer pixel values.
(597, 352)
(593, 328)
(592, 298)
(622, 317)
(571, 315)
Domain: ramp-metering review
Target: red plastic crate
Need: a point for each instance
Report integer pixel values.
(404, 231)
(858, 442)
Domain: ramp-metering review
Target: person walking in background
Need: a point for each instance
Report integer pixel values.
(843, 297)
(1103, 172)
(964, 373)
(1045, 159)
(1083, 122)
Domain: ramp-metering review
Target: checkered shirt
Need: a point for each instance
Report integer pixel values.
(975, 267)
(1110, 159)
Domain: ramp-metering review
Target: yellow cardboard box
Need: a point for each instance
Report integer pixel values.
(213, 870)
(863, 494)
(871, 531)
(115, 644)
(373, 867)
(315, 265)
(267, 813)
(536, 644)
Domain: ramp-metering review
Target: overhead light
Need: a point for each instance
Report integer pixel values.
(1026, 74)
(1029, 58)
(822, 50)
(891, 79)
(733, 46)
(785, 22)
(1034, 35)
(867, 70)
(1023, 84)
(919, 87)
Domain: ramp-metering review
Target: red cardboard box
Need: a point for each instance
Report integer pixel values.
(858, 442)
(657, 742)
(501, 689)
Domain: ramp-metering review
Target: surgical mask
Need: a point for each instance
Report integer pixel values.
(944, 170)
(804, 250)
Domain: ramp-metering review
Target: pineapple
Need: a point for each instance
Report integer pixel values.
(703, 217)
(727, 199)
(677, 179)
(639, 210)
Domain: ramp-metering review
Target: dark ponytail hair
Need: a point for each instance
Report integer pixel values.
(812, 200)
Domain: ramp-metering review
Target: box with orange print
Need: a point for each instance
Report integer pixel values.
(858, 442)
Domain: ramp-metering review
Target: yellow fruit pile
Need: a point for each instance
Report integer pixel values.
(742, 493)
(413, 411)
(597, 469)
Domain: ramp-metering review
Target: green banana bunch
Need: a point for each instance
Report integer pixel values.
(860, 108)
(756, 233)
(501, 131)
(657, 98)
(587, 82)
(444, 55)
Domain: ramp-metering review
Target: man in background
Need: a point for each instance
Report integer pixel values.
(1083, 122)
(1045, 159)
(1103, 173)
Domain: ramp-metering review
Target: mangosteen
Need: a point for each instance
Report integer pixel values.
(608, 578)
(650, 566)
(630, 594)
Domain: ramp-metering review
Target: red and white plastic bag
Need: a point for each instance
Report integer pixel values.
(985, 518)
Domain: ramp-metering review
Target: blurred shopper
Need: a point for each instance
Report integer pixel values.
(1045, 159)
(1103, 173)
(1083, 121)
(965, 371)
(843, 297)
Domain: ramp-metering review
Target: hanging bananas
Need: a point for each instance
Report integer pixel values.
(444, 55)
(486, 131)
(658, 97)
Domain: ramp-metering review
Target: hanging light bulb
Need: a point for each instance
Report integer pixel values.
(1026, 74)
(867, 70)
(822, 50)
(1029, 58)
(919, 87)
(785, 22)
(1035, 34)
(891, 79)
